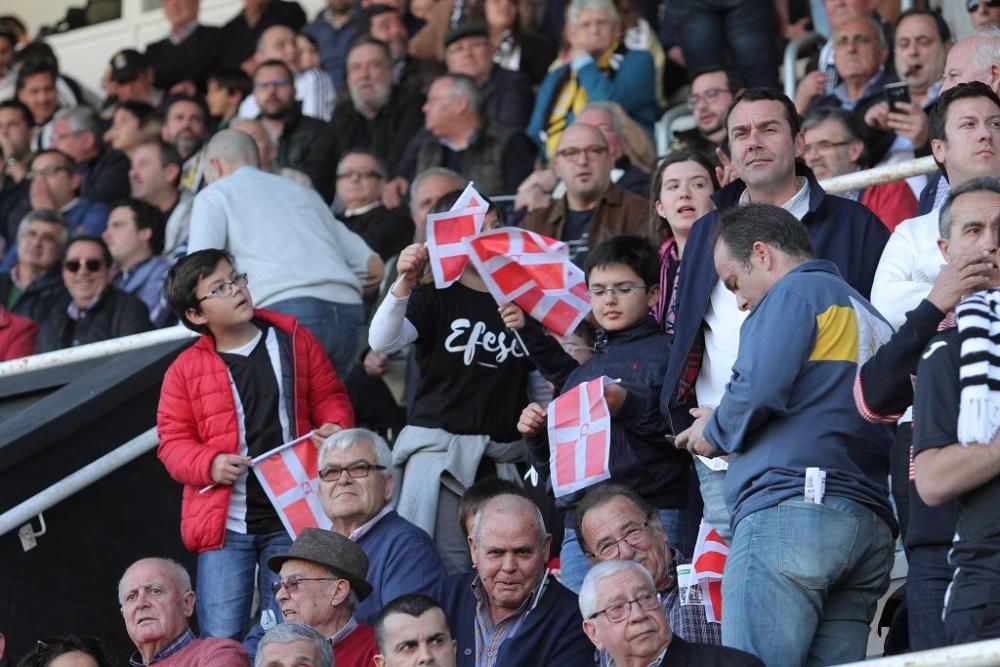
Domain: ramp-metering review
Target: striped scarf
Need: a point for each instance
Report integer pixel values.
(978, 318)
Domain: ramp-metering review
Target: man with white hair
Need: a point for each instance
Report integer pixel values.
(314, 270)
(293, 645)
(622, 617)
(356, 483)
(157, 602)
(509, 611)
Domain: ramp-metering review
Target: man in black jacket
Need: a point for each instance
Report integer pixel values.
(32, 286)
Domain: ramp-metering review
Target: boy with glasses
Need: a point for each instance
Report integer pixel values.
(255, 380)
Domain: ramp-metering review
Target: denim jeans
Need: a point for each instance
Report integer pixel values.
(711, 482)
(803, 580)
(225, 582)
(927, 579)
(707, 29)
(339, 327)
(574, 565)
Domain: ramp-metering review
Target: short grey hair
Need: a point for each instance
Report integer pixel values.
(49, 215)
(286, 633)
(611, 109)
(464, 86)
(986, 48)
(82, 119)
(578, 6)
(234, 147)
(352, 437)
(980, 184)
(505, 503)
(177, 571)
(433, 171)
(876, 28)
(596, 574)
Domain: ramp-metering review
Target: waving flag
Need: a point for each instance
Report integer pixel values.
(470, 198)
(579, 437)
(445, 234)
(290, 479)
(708, 565)
(534, 272)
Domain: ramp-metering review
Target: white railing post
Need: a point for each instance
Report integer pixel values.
(891, 172)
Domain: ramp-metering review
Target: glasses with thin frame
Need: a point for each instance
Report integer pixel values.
(635, 538)
(227, 288)
(355, 471)
(616, 291)
(618, 612)
(709, 95)
(592, 152)
(291, 583)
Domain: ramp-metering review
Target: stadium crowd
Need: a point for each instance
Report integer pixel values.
(811, 376)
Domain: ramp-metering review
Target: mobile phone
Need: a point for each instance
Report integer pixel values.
(896, 93)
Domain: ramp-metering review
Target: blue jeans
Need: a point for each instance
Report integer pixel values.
(803, 580)
(225, 582)
(927, 579)
(711, 482)
(574, 565)
(338, 327)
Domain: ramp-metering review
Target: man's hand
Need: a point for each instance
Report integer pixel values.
(724, 174)
(693, 438)
(376, 364)
(962, 275)
(810, 87)
(323, 432)
(533, 192)
(512, 316)
(877, 116)
(910, 122)
(533, 420)
(394, 191)
(227, 468)
(615, 395)
(410, 266)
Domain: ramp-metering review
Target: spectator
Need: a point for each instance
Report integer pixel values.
(622, 276)
(594, 208)
(428, 187)
(520, 615)
(401, 557)
(335, 569)
(184, 126)
(983, 14)
(360, 176)
(953, 447)
(712, 93)
(17, 336)
(36, 89)
(78, 133)
(183, 60)
(33, 285)
(308, 51)
(376, 115)
(313, 88)
(135, 239)
(265, 152)
(8, 44)
(334, 30)
(131, 78)
(413, 75)
(157, 601)
(681, 194)
(506, 96)
(16, 124)
(94, 310)
(233, 527)
(131, 124)
(69, 650)
(513, 48)
(293, 645)
(615, 523)
(458, 136)
(975, 59)
(154, 175)
(765, 258)
(243, 32)
(412, 629)
(621, 611)
(332, 264)
(480, 493)
(835, 145)
(598, 68)
(227, 89)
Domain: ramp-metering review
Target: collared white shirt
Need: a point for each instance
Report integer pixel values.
(364, 528)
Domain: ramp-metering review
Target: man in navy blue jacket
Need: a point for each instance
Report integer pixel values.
(509, 611)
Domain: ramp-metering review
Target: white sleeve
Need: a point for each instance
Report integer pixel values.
(896, 289)
(208, 227)
(390, 331)
(315, 90)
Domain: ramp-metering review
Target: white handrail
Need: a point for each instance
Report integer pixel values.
(21, 514)
(792, 57)
(978, 654)
(884, 174)
(104, 348)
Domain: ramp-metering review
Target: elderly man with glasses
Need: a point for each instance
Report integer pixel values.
(621, 612)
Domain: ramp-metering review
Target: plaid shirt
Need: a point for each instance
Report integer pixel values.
(489, 637)
(183, 640)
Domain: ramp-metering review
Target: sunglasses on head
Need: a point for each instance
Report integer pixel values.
(74, 265)
(973, 5)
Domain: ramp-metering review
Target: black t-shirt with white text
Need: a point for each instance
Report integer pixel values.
(576, 235)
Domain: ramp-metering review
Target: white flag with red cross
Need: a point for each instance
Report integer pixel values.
(289, 477)
(534, 272)
(579, 426)
(446, 231)
(707, 568)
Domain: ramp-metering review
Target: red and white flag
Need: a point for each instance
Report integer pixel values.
(534, 272)
(446, 231)
(579, 437)
(707, 568)
(289, 476)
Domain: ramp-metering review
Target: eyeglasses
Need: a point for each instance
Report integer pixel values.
(358, 173)
(47, 170)
(617, 613)
(227, 288)
(635, 538)
(618, 290)
(92, 265)
(355, 471)
(973, 5)
(291, 584)
(709, 95)
(825, 146)
(592, 152)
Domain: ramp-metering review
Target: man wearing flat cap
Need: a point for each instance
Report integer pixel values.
(130, 79)
(321, 580)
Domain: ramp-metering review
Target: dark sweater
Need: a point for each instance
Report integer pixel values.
(115, 314)
(685, 654)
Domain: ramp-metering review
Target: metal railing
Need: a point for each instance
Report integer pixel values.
(792, 57)
(978, 654)
(885, 174)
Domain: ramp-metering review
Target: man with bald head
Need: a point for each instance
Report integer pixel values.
(593, 207)
(509, 611)
(975, 58)
(314, 270)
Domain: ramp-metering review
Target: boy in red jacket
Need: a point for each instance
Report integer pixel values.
(255, 380)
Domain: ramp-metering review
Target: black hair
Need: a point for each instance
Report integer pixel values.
(142, 111)
(148, 217)
(170, 101)
(734, 80)
(411, 604)
(939, 111)
(769, 94)
(233, 80)
(602, 494)
(477, 495)
(180, 287)
(169, 155)
(658, 224)
(36, 51)
(68, 162)
(88, 238)
(18, 105)
(33, 67)
(634, 252)
(851, 123)
(47, 650)
(742, 226)
(8, 34)
(274, 62)
(944, 32)
(370, 12)
(369, 40)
